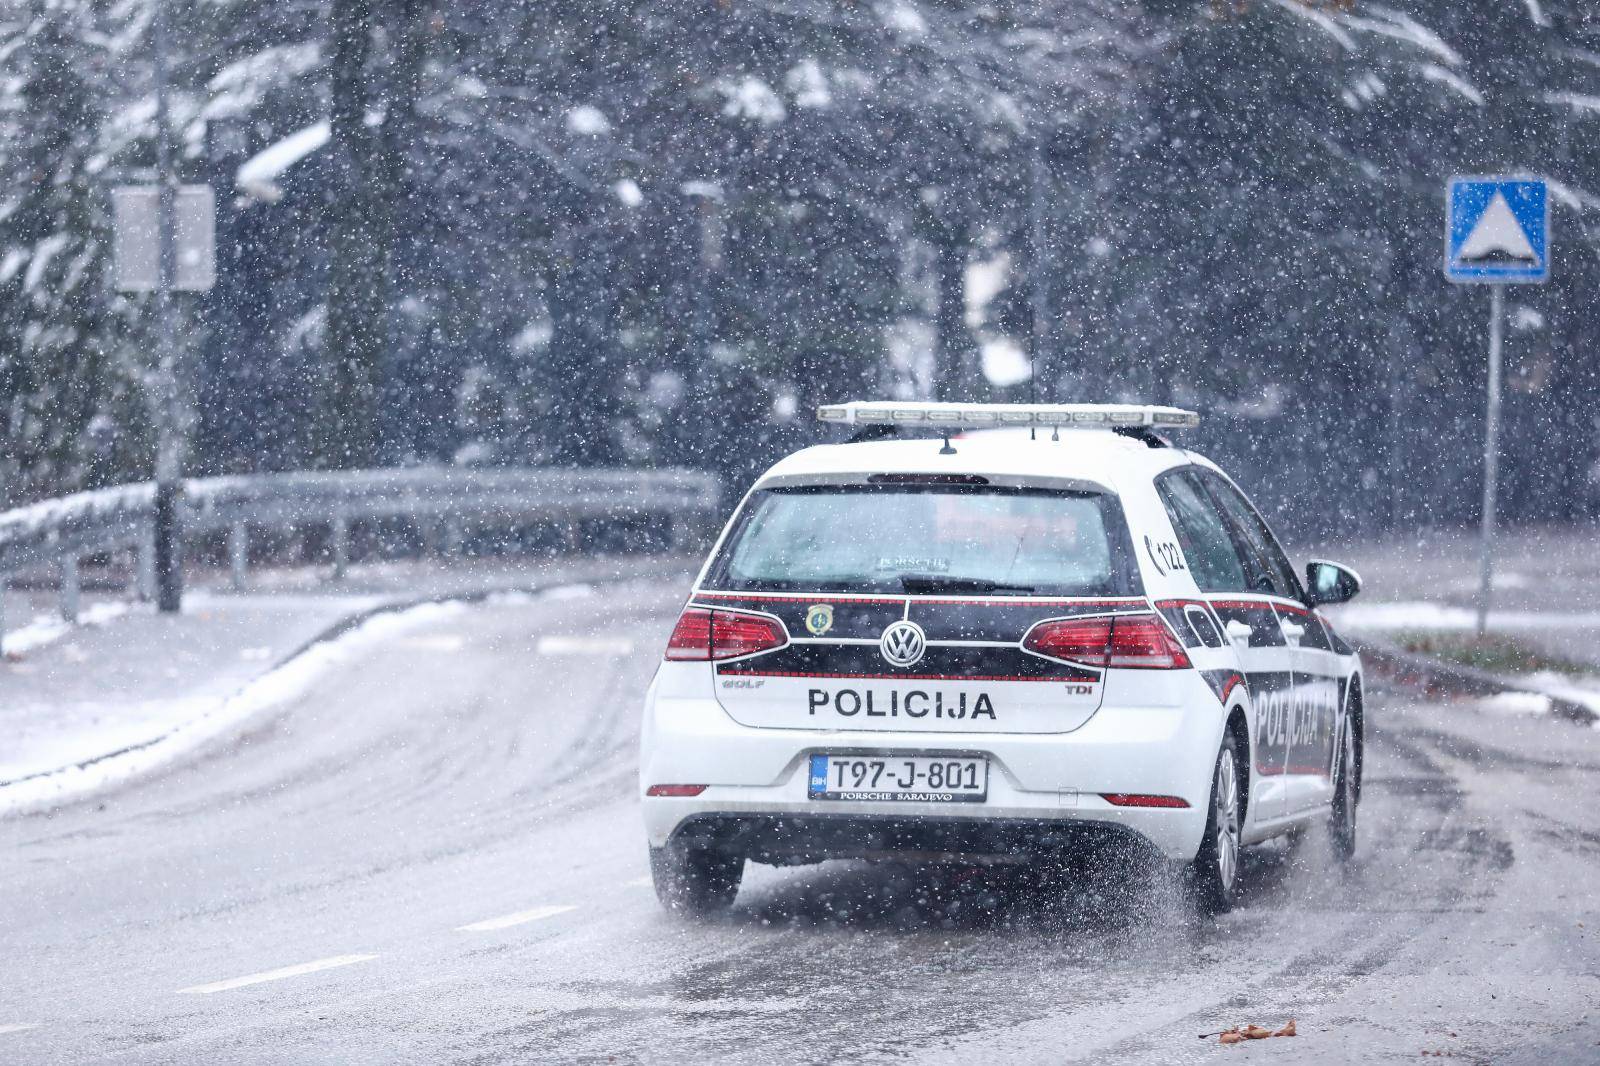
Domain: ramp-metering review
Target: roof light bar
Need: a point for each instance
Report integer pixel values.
(989, 415)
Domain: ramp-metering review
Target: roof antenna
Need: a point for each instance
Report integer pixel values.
(946, 450)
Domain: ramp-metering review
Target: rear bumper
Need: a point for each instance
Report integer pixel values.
(1044, 787)
(786, 831)
(786, 840)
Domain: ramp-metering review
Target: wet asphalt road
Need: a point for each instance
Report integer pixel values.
(477, 773)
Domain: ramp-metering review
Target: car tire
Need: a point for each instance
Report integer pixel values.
(695, 881)
(1346, 798)
(1214, 874)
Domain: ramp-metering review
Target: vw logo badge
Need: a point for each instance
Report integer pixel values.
(903, 643)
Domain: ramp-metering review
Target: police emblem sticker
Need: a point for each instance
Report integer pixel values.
(819, 618)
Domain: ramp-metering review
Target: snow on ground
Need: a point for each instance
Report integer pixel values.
(156, 735)
(1538, 689)
(1421, 614)
(518, 598)
(196, 601)
(1584, 689)
(48, 628)
(1516, 703)
(1543, 689)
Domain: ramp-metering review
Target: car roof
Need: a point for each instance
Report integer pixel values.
(1094, 457)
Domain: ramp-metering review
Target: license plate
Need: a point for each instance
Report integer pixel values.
(899, 778)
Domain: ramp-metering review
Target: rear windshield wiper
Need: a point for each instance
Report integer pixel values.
(945, 583)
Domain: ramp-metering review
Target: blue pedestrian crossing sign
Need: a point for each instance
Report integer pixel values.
(1497, 230)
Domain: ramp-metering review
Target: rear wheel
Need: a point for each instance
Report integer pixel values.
(1215, 870)
(1342, 819)
(695, 881)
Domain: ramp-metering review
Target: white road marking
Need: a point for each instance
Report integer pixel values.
(276, 975)
(18, 1027)
(585, 646)
(506, 921)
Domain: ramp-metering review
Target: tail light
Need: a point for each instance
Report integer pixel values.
(702, 635)
(1123, 642)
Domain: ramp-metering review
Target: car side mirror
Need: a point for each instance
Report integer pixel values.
(1330, 583)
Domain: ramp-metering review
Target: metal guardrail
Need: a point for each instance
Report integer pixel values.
(57, 533)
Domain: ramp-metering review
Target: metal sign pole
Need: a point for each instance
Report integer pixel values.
(169, 455)
(1497, 230)
(1491, 455)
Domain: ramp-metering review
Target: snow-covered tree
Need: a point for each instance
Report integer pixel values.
(582, 233)
(69, 400)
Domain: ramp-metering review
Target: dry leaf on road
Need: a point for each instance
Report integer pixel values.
(1240, 1033)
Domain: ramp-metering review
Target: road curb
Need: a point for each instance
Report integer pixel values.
(1435, 677)
(360, 617)
(14, 801)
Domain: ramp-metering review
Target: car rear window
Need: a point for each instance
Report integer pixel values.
(871, 538)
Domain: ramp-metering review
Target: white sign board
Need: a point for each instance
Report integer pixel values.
(138, 245)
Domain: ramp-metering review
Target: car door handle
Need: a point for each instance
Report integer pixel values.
(1292, 632)
(1239, 632)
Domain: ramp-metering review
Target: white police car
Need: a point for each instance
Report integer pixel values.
(997, 644)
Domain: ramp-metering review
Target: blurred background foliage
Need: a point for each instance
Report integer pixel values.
(652, 232)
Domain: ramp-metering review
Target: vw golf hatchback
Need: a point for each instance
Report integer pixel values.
(985, 632)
